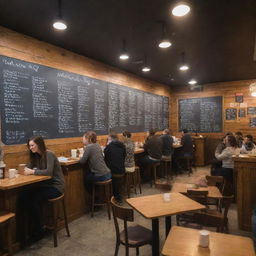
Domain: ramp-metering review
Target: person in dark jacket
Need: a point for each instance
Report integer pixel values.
(153, 152)
(115, 154)
(167, 141)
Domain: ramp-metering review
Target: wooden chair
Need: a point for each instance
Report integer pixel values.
(196, 195)
(104, 192)
(132, 179)
(219, 182)
(215, 218)
(55, 206)
(133, 236)
(5, 220)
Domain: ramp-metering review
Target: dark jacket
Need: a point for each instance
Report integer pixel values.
(115, 157)
(167, 141)
(153, 147)
(187, 144)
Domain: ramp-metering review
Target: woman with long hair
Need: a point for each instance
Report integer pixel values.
(41, 162)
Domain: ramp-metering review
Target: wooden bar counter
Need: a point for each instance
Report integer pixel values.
(245, 182)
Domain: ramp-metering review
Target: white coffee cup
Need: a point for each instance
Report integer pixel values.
(204, 238)
(12, 173)
(167, 197)
(73, 153)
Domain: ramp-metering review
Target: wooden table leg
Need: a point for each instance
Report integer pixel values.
(168, 224)
(155, 237)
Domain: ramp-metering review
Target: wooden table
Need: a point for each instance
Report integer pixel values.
(245, 184)
(153, 206)
(184, 242)
(20, 181)
(213, 191)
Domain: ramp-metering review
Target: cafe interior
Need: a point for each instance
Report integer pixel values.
(128, 127)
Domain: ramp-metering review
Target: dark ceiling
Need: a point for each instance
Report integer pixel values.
(218, 36)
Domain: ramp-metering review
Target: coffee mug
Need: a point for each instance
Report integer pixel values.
(12, 173)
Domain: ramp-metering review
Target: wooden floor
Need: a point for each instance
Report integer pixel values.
(96, 236)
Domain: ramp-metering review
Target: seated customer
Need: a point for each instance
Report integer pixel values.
(115, 157)
(239, 139)
(227, 162)
(167, 140)
(248, 144)
(41, 162)
(153, 152)
(93, 157)
(185, 151)
(130, 147)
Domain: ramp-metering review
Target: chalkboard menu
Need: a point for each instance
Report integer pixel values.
(201, 114)
(38, 100)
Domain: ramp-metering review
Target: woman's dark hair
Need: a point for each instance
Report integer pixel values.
(91, 136)
(249, 137)
(127, 134)
(185, 130)
(152, 132)
(39, 141)
(113, 135)
(232, 141)
(238, 134)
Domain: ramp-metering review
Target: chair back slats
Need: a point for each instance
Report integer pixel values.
(217, 181)
(121, 212)
(198, 195)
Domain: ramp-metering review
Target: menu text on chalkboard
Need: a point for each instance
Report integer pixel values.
(201, 114)
(39, 100)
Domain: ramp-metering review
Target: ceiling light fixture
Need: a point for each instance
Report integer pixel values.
(192, 81)
(59, 23)
(145, 68)
(165, 42)
(180, 10)
(252, 89)
(184, 66)
(124, 55)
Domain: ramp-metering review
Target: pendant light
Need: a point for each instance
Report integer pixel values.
(124, 55)
(181, 9)
(192, 82)
(183, 66)
(145, 67)
(165, 42)
(59, 23)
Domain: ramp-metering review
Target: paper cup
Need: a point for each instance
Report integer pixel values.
(167, 197)
(73, 153)
(204, 238)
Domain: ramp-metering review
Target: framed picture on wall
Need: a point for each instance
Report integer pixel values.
(239, 97)
(241, 112)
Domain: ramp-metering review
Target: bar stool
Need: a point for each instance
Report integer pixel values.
(153, 170)
(106, 188)
(54, 205)
(167, 164)
(132, 179)
(5, 220)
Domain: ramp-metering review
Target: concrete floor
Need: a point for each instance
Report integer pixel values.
(96, 236)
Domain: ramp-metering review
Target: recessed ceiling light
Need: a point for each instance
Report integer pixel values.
(184, 67)
(192, 81)
(180, 10)
(60, 25)
(165, 44)
(146, 69)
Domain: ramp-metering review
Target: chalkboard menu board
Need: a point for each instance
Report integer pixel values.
(201, 114)
(38, 100)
